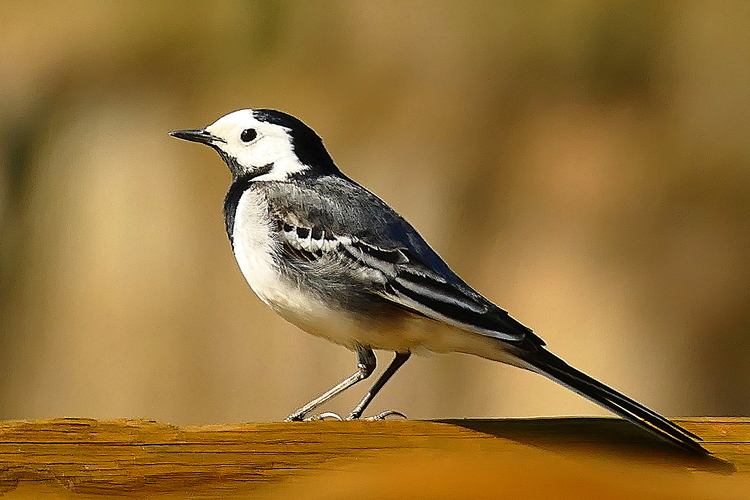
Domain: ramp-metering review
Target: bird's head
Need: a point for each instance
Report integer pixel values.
(264, 144)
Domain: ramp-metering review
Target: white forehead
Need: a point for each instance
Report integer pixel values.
(242, 116)
(235, 122)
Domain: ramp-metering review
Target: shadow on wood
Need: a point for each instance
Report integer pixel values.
(597, 435)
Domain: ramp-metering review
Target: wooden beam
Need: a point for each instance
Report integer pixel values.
(84, 458)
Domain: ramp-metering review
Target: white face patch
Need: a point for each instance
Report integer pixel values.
(270, 144)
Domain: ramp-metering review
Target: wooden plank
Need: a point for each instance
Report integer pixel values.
(84, 458)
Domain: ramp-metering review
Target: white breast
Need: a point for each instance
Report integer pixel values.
(253, 248)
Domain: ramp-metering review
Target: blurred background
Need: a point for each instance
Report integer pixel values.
(586, 165)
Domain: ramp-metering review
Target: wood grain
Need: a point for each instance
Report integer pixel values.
(84, 458)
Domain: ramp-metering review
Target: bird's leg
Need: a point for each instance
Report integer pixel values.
(398, 360)
(366, 363)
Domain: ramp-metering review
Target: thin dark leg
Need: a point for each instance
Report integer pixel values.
(366, 363)
(398, 360)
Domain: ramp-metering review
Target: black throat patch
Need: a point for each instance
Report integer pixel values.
(239, 185)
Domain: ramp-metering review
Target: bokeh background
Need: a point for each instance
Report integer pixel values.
(584, 164)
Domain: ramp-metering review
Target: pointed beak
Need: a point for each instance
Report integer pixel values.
(198, 135)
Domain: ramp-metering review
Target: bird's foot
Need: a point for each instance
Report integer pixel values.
(384, 415)
(329, 415)
(380, 416)
(324, 416)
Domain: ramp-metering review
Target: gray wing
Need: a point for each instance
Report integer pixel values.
(384, 253)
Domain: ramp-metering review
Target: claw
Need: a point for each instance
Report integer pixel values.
(323, 416)
(384, 415)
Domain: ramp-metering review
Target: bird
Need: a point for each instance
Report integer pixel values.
(332, 258)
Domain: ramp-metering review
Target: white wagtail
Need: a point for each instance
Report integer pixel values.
(334, 259)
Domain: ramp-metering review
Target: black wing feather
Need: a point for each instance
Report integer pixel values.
(375, 236)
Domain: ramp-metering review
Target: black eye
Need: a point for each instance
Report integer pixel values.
(248, 135)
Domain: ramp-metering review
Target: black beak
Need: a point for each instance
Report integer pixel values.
(198, 135)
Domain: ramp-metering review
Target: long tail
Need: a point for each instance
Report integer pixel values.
(549, 365)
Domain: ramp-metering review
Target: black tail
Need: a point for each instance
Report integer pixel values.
(558, 370)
